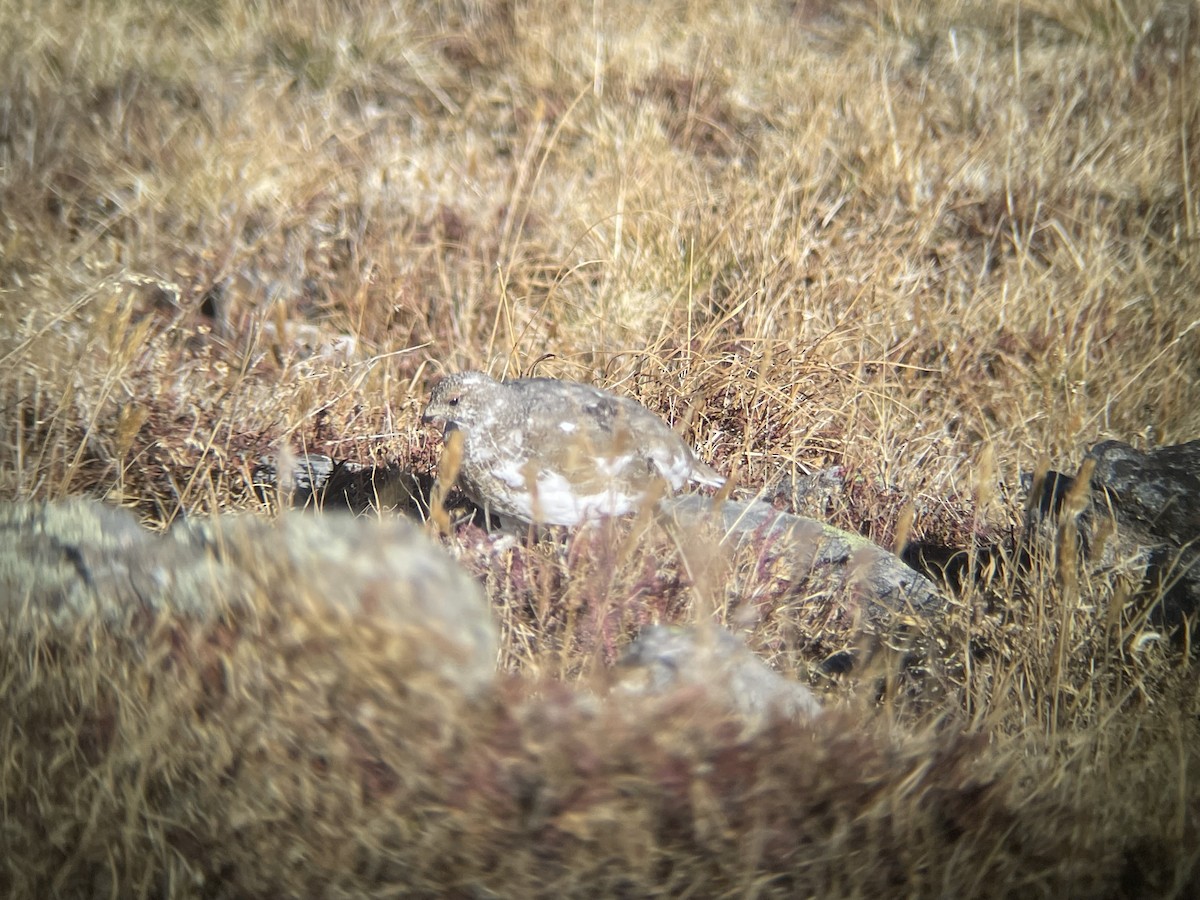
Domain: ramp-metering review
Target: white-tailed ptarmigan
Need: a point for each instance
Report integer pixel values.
(559, 452)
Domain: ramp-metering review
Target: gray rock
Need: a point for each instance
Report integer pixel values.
(80, 562)
(78, 559)
(813, 547)
(666, 657)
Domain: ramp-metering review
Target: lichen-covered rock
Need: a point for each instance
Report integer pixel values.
(78, 561)
(663, 658)
(812, 549)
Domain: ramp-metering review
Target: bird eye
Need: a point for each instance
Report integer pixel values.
(453, 401)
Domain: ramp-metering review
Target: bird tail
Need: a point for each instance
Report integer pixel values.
(703, 473)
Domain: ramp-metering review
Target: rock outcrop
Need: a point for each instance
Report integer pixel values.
(79, 563)
(1138, 517)
(811, 549)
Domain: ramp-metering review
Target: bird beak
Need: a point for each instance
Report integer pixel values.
(447, 426)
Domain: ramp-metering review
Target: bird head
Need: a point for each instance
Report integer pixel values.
(460, 400)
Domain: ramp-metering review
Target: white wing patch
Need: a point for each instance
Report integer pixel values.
(511, 474)
(559, 504)
(612, 467)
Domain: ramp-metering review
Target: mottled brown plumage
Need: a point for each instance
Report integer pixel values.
(559, 452)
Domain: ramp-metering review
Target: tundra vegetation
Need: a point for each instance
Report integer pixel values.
(933, 244)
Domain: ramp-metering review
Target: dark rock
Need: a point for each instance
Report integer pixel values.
(1155, 493)
(314, 479)
(1139, 517)
(1154, 500)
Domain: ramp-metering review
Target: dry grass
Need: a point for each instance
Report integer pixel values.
(931, 243)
